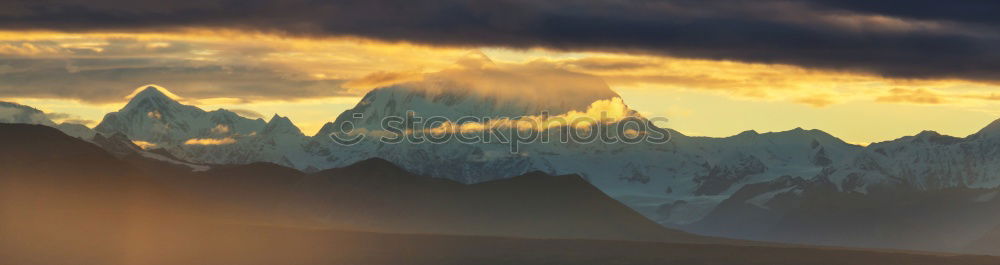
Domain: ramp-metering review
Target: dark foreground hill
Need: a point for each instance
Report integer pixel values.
(65, 201)
(375, 195)
(372, 195)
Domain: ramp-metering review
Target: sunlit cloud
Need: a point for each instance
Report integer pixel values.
(219, 67)
(248, 113)
(920, 40)
(312, 80)
(601, 112)
(162, 90)
(144, 144)
(210, 141)
(819, 100)
(220, 129)
(382, 79)
(758, 82)
(59, 117)
(102, 67)
(919, 96)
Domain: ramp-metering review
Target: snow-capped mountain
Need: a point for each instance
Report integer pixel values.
(212, 137)
(677, 183)
(469, 163)
(682, 181)
(714, 185)
(691, 174)
(932, 191)
(152, 116)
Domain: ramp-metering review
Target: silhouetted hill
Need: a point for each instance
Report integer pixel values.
(384, 197)
(56, 190)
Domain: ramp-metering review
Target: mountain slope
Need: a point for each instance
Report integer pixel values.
(927, 191)
(17, 113)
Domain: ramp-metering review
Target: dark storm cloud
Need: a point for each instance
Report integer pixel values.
(928, 40)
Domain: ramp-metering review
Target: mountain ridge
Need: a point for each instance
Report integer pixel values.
(373, 195)
(677, 184)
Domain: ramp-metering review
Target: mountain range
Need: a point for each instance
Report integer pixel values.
(924, 192)
(69, 201)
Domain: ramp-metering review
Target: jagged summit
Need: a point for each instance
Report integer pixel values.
(279, 124)
(151, 97)
(934, 137)
(154, 115)
(152, 91)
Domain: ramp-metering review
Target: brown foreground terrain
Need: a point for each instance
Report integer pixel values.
(179, 242)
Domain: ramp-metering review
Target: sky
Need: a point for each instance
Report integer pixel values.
(865, 71)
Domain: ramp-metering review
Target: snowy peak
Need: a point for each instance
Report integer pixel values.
(933, 137)
(150, 92)
(154, 115)
(281, 125)
(798, 136)
(454, 103)
(151, 98)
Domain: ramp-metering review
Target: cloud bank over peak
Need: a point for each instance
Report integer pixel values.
(536, 84)
(922, 39)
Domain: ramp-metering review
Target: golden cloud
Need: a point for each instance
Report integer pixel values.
(382, 79)
(816, 100)
(766, 82)
(989, 96)
(918, 96)
(209, 141)
(144, 144)
(220, 129)
(213, 64)
(600, 112)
